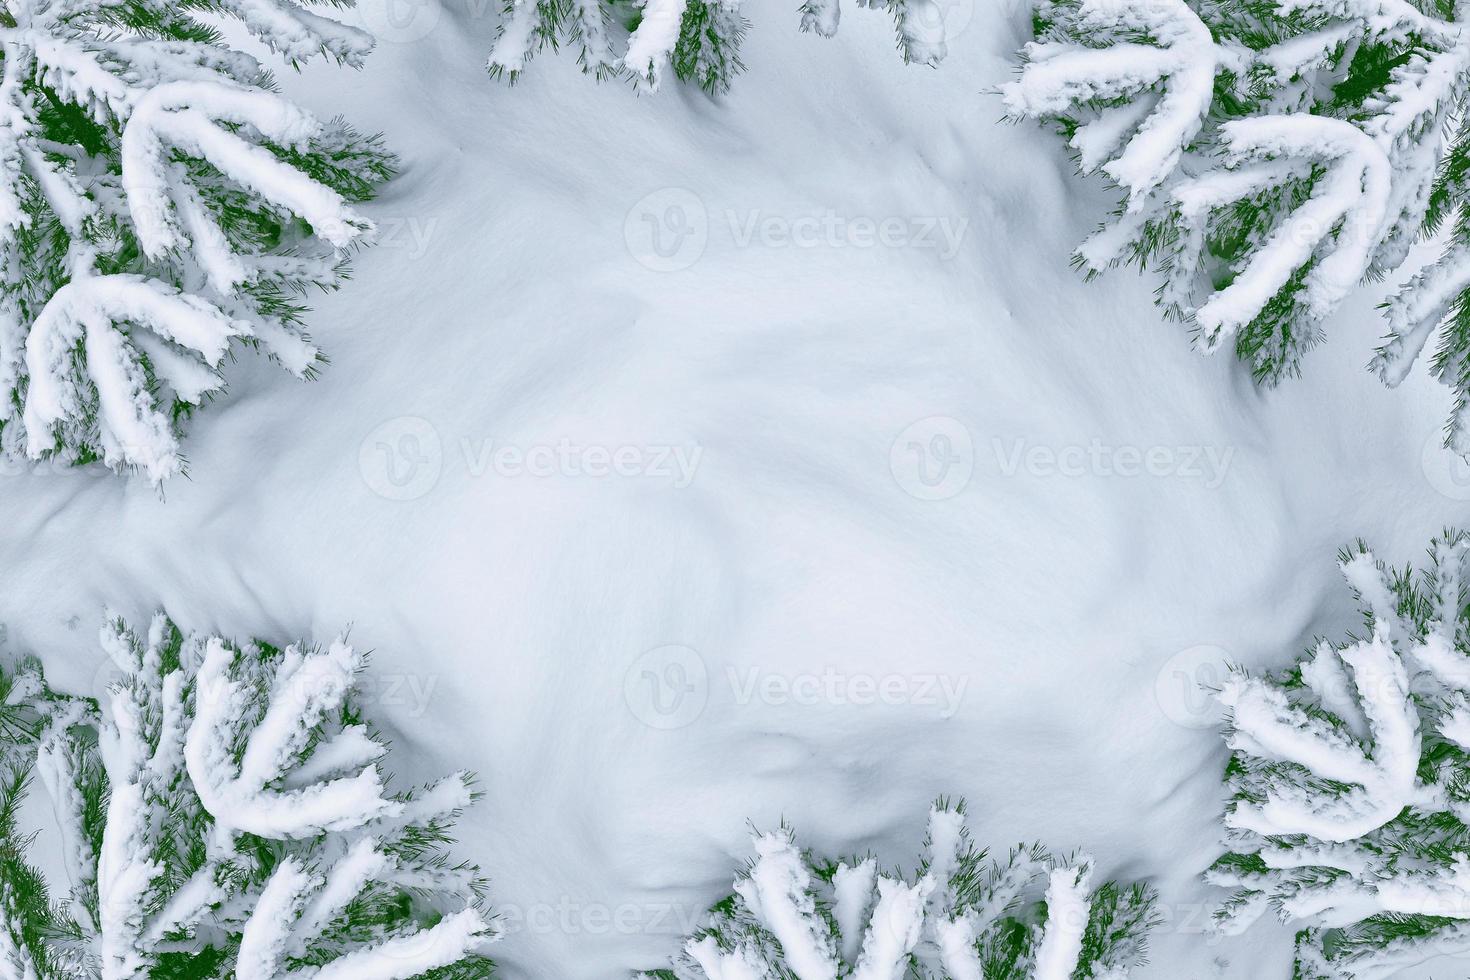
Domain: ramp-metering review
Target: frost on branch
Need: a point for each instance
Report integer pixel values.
(693, 40)
(1350, 781)
(34, 936)
(919, 26)
(961, 916)
(1152, 95)
(1272, 157)
(221, 814)
(160, 205)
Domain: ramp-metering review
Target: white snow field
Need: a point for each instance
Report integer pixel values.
(781, 598)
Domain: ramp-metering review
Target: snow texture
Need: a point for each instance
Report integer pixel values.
(507, 611)
(1338, 817)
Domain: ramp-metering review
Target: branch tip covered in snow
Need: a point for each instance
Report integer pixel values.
(164, 857)
(1271, 159)
(1345, 776)
(794, 916)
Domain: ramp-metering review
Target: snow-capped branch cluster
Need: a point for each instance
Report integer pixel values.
(695, 40)
(1273, 156)
(159, 204)
(222, 814)
(962, 916)
(1350, 781)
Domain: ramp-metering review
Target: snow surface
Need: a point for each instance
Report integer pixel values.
(512, 616)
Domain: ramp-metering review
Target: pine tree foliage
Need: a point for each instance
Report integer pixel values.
(1350, 780)
(919, 26)
(222, 814)
(693, 40)
(160, 205)
(35, 941)
(1273, 155)
(961, 916)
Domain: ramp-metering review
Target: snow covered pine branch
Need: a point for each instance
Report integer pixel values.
(963, 916)
(1272, 157)
(222, 814)
(159, 205)
(1350, 780)
(697, 40)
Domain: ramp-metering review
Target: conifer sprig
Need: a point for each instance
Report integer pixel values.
(160, 206)
(697, 41)
(962, 915)
(1273, 154)
(221, 814)
(1350, 779)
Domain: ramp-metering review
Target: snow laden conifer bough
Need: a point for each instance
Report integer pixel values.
(1350, 780)
(1273, 154)
(696, 40)
(222, 814)
(962, 916)
(160, 205)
